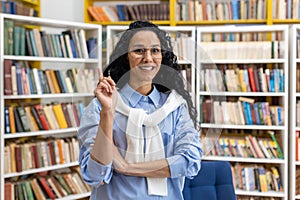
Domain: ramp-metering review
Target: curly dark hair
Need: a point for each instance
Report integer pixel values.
(169, 76)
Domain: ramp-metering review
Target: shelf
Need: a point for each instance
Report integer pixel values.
(260, 194)
(40, 133)
(241, 61)
(244, 127)
(49, 96)
(244, 160)
(51, 59)
(76, 196)
(43, 169)
(249, 94)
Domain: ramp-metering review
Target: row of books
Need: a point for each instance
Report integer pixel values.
(285, 9)
(72, 43)
(129, 12)
(17, 8)
(242, 78)
(194, 10)
(38, 153)
(248, 146)
(241, 36)
(53, 186)
(252, 177)
(38, 117)
(186, 74)
(21, 79)
(241, 112)
(242, 50)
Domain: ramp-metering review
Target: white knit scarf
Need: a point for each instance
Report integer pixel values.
(154, 149)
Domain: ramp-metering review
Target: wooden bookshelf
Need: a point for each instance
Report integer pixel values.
(54, 100)
(272, 15)
(221, 100)
(22, 7)
(294, 114)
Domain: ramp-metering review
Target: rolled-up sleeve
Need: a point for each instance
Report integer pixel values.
(186, 160)
(93, 173)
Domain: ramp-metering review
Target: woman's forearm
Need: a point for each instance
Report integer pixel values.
(102, 150)
(151, 169)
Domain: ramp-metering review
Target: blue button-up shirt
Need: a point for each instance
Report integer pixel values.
(181, 142)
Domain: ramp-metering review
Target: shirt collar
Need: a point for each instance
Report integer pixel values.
(133, 97)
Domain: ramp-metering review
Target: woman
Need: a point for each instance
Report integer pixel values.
(141, 140)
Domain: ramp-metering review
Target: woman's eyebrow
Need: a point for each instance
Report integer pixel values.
(141, 45)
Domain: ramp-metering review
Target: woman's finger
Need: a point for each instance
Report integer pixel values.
(100, 74)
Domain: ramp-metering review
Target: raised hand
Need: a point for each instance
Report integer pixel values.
(105, 90)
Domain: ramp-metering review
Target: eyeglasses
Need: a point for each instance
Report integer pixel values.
(141, 52)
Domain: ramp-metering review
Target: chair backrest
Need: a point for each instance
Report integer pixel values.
(213, 182)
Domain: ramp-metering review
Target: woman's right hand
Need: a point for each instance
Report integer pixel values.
(105, 91)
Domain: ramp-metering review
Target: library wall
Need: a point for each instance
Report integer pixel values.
(63, 10)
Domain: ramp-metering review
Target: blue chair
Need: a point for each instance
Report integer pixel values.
(213, 182)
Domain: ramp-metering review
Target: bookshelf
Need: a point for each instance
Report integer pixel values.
(21, 7)
(294, 114)
(183, 37)
(60, 132)
(268, 9)
(235, 93)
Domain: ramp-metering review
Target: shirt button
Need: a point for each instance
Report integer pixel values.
(180, 174)
(145, 99)
(102, 173)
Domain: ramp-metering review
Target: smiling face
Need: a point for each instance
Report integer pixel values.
(144, 54)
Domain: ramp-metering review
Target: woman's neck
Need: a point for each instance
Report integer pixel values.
(143, 89)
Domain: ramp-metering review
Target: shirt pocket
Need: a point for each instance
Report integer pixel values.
(167, 134)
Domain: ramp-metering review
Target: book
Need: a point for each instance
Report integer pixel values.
(8, 37)
(36, 118)
(8, 90)
(66, 114)
(54, 81)
(46, 187)
(18, 123)
(263, 180)
(6, 119)
(37, 80)
(9, 191)
(280, 153)
(42, 116)
(37, 190)
(70, 183)
(38, 41)
(18, 78)
(18, 157)
(23, 118)
(54, 188)
(51, 119)
(63, 183)
(28, 189)
(60, 82)
(32, 122)
(59, 114)
(59, 187)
